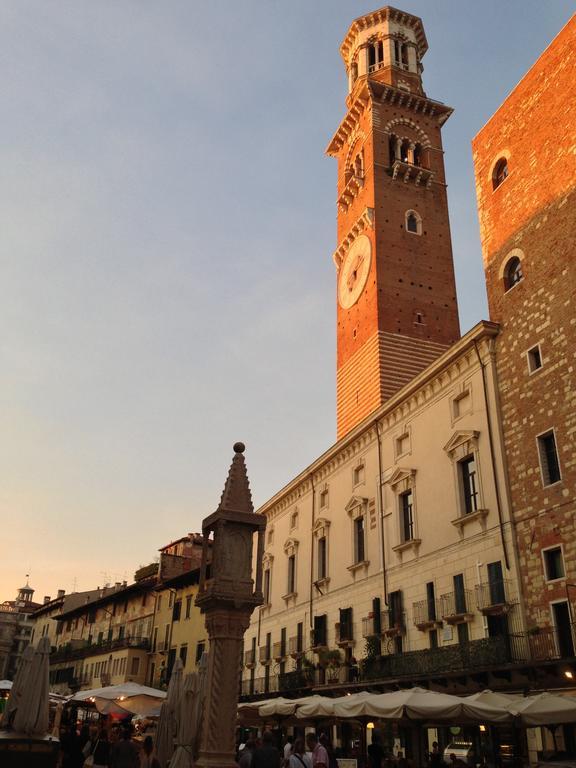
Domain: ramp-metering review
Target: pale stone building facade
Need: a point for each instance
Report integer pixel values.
(399, 533)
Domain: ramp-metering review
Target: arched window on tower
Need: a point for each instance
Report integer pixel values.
(405, 151)
(359, 166)
(371, 58)
(413, 222)
(392, 147)
(417, 154)
(512, 272)
(500, 172)
(400, 54)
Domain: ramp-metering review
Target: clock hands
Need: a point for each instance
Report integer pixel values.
(353, 274)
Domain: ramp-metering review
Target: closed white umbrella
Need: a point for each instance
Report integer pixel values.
(198, 708)
(182, 757)
(167, 723)
(32, 715)
(18, 686)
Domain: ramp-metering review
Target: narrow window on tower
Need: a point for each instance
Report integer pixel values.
(534, 357)
(500, 172)
(512, 273)
(413, 222)
(549, 463)
(371, 58)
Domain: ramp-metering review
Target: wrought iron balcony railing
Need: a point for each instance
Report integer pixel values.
(496, 597)
(426, 614)
(455, 607)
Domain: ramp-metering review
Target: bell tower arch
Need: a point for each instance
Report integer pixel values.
(396, 295)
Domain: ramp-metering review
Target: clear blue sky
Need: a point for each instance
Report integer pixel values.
(167, 223)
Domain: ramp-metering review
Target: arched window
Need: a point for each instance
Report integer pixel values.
(392, 148)
(404, 156)
(500, 172)
(512, 272)
(417, 155)
(359, 166)
(413, 222)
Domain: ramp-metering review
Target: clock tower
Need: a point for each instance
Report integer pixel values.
(396, 294)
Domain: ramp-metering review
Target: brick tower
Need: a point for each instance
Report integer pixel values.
(397, 308)
(525, 164)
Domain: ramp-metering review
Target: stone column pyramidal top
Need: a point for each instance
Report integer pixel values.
(232, 575)
(227, 596)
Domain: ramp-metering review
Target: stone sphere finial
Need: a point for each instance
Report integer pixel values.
(239, 447)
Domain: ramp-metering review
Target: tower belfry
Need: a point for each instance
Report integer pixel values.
(396, 294)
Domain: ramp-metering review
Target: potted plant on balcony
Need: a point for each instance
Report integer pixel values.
(331, 661)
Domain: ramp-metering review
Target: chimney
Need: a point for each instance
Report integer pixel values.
(118, 584)
(46, 599)
(61, 592)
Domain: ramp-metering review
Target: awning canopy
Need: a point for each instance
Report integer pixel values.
(421, 704)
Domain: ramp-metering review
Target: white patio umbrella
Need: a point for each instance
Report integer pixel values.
(5, 685)
(126, 698)
(493, 699)
(167, 723)
(32, 715)
(18, 686)
(544, 709)
(281, 707)
(198, 708)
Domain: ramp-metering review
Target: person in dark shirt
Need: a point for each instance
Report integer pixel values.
(266, 756)
(125, 754)
(375, 751)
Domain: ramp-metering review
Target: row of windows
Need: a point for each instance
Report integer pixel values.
(456, 605)
(375, 52)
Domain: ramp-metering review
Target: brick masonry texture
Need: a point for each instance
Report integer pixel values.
(410, 290)
(534, 210)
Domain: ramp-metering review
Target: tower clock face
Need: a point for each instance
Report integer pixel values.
(354, 272)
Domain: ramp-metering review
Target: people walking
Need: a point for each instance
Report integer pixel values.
(299, 758)
(124, 753)
(319, 754)
(147, 757)
(266, 756)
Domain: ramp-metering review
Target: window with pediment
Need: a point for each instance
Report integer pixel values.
(402, 483)
(320, 537)
(267, 560)
(357, 510)
(291, 551)
(462, 449)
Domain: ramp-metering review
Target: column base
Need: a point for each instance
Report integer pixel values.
(216, 760)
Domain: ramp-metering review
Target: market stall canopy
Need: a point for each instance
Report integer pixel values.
(413, 704)
(324, 706)
(544, 709)
(5, 685)
(126, 698)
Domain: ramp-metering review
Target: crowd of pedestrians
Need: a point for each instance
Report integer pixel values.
(315, 752)
(98, 747)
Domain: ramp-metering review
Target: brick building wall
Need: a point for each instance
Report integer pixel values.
(531, 214)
